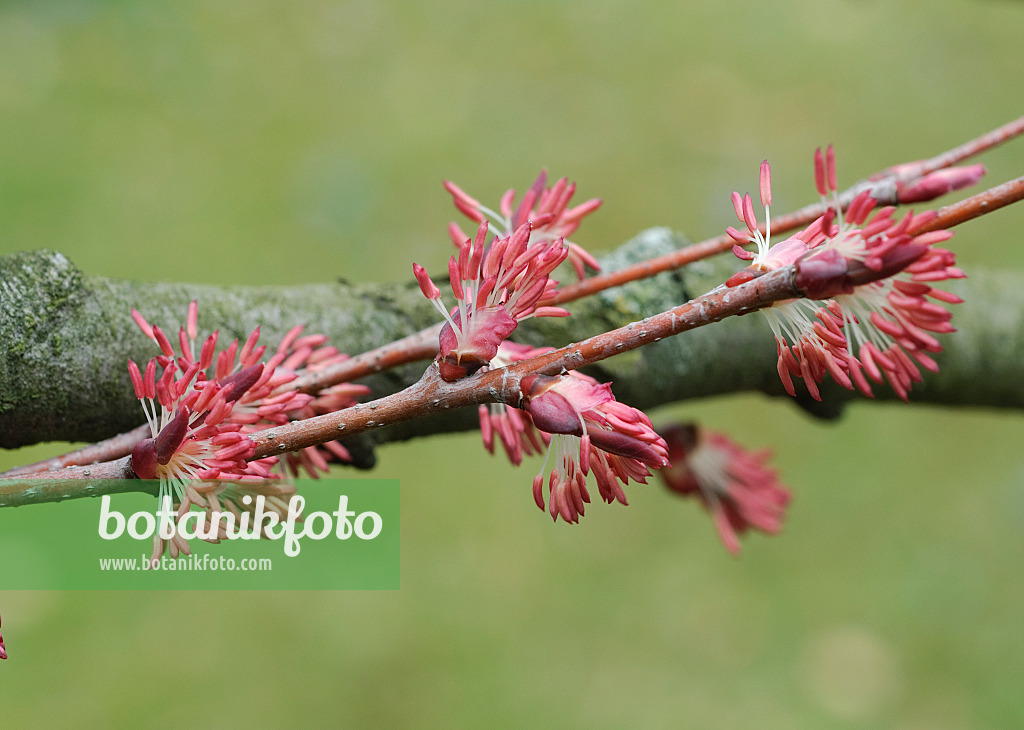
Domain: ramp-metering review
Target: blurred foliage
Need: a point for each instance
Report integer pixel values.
(252, 142)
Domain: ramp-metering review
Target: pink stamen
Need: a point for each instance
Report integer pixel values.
(766, 184)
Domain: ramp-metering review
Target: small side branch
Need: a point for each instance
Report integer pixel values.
(883, 186)
(112, 477)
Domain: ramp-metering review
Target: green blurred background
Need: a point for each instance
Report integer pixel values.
(246, 142)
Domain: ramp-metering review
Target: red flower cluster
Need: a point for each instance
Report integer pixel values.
(496, 286)
(501, 282)
(545, 209)
(579, 422)
(590, 431)
(871, 311)
(200, 412)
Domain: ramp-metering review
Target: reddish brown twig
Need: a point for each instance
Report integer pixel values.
(976, 205)
(431, 393)
(110, 477)
(883, 186)
(106, 450)
(423, 344)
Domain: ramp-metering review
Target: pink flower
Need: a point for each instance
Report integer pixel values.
(496, 286)
(194, 441)
(734, 485)
(867, 315)
(545, 209)
(809, 342)
(193, 436)
(200, 413)
(267, 400)
(768, 257)
(878, 273)
(589, 431)
(3, 649)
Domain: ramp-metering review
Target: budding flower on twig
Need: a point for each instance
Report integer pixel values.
(869, 315)
(588, 431)
(933, 184)
(200, 413)
(193, 437)
(581, 426)
(496, 286)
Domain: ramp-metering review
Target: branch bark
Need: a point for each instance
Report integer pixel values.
(65, 338)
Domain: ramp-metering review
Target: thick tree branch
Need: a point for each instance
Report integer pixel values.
(66, 337)
(80, 390)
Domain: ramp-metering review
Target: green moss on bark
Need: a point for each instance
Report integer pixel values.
(65, 339)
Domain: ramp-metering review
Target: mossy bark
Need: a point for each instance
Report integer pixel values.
(65, 339)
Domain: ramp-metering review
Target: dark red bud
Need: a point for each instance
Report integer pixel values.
(892, 263)
(240, 382)
(484, 331)
(551, 412)
(452, 371)
(169, 439)
(144, 459)
(822, 275)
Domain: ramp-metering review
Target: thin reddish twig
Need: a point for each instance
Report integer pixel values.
(106, 450)
(431, 393)
(422, 345)
(883, 186)
(109, 477)
(977, 205)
